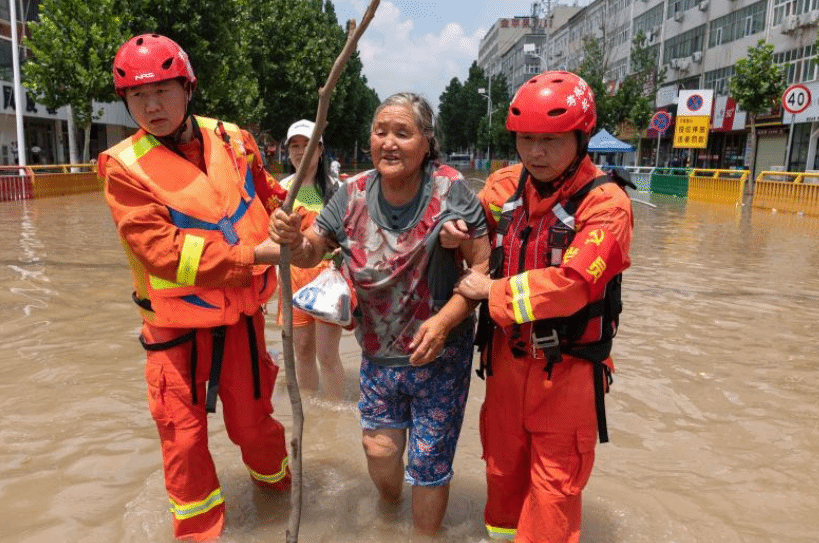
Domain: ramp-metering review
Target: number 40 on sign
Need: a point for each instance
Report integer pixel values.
(796, 99)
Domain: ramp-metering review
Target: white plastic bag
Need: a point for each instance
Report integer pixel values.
(327, 297)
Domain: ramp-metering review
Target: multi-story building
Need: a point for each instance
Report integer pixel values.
(45, 130)
(697, 42)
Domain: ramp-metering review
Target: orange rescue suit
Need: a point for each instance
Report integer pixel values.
(189, 221)
(538, 430)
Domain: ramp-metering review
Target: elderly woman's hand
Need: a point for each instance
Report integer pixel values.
(427, 343)
(453, 233)
(285, 229)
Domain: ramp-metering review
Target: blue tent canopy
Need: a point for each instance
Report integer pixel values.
(603, 142)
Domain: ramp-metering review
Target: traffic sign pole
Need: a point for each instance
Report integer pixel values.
(796, 99)
(790, 143)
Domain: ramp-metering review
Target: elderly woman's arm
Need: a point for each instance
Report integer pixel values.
(306, 248)
(432, 335)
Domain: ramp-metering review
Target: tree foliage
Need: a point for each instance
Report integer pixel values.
(757, 85)
(216, 34)
(301, 40)
(72, 46)
(463, 113)
(259, 64)
(593, 69)
(632, 104)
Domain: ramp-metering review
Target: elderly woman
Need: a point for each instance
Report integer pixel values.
(415, 334)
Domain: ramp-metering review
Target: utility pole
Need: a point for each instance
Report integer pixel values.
(18, 94)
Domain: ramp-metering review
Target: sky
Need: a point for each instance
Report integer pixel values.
(420, 45)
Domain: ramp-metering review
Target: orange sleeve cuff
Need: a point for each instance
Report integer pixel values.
(246, 255)
(498, 308)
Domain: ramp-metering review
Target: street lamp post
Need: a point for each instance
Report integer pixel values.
(483, 92)
(530, 49)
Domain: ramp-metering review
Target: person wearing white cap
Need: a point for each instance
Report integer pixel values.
(313, 339)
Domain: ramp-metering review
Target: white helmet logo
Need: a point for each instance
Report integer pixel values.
(144, 76)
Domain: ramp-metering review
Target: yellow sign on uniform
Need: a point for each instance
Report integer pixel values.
(691, 132)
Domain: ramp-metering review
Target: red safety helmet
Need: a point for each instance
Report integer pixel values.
(553, 103)
(150, 58)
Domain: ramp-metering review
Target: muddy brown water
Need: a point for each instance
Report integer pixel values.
(713, 417)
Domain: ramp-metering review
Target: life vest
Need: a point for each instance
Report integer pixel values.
(220, 204)
(588, 333)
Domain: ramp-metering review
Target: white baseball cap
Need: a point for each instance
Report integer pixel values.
(302, 127)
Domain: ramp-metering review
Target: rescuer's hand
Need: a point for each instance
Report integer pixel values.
(474, 285)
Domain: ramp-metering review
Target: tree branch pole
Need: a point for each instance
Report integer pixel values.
(353, 35)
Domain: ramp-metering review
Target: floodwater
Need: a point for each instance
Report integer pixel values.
(713, 417)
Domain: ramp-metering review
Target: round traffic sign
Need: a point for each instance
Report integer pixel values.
(695, 102)
(660, 121)
(796, 99)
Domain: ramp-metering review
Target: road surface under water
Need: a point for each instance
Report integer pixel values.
(713, 416)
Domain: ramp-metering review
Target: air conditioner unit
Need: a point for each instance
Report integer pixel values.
(809, 19)
(696, 57)
(678, 16)
(674, 63)
(789, 24)
(683, 64)
(703, 5)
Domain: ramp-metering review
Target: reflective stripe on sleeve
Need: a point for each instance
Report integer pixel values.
(182, 512)
(521, 303)
(270, 479)
(503, 534)
(496, 212)
(189, 260)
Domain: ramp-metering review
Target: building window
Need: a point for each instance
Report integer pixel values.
(675, 6)
(786, 8)
(684, 44)
(799, 64)
(648, 20)
(738, 24)
(719, 80)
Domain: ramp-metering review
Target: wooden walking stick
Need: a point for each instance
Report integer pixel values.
(353, 35)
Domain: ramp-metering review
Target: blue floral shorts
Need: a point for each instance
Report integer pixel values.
(428, 400)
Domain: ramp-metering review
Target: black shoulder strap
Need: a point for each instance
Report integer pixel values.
(618, 175)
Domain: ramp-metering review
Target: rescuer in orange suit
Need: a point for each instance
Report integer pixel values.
(561, 232)
(191, 201)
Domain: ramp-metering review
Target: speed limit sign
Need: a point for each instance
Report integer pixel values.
(796, 99)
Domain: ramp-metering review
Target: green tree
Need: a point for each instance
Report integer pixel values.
(461, 109)
(260, 64)
(72, 45)
(217, 35)
(301, 41)
(496, 137)
(757, 85)
(635, 96)
(593, 70)
(450, 117)
(474, 105)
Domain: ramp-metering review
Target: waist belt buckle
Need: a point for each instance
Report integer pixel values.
(545, 347)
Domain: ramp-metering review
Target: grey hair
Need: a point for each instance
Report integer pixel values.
(422, 114)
